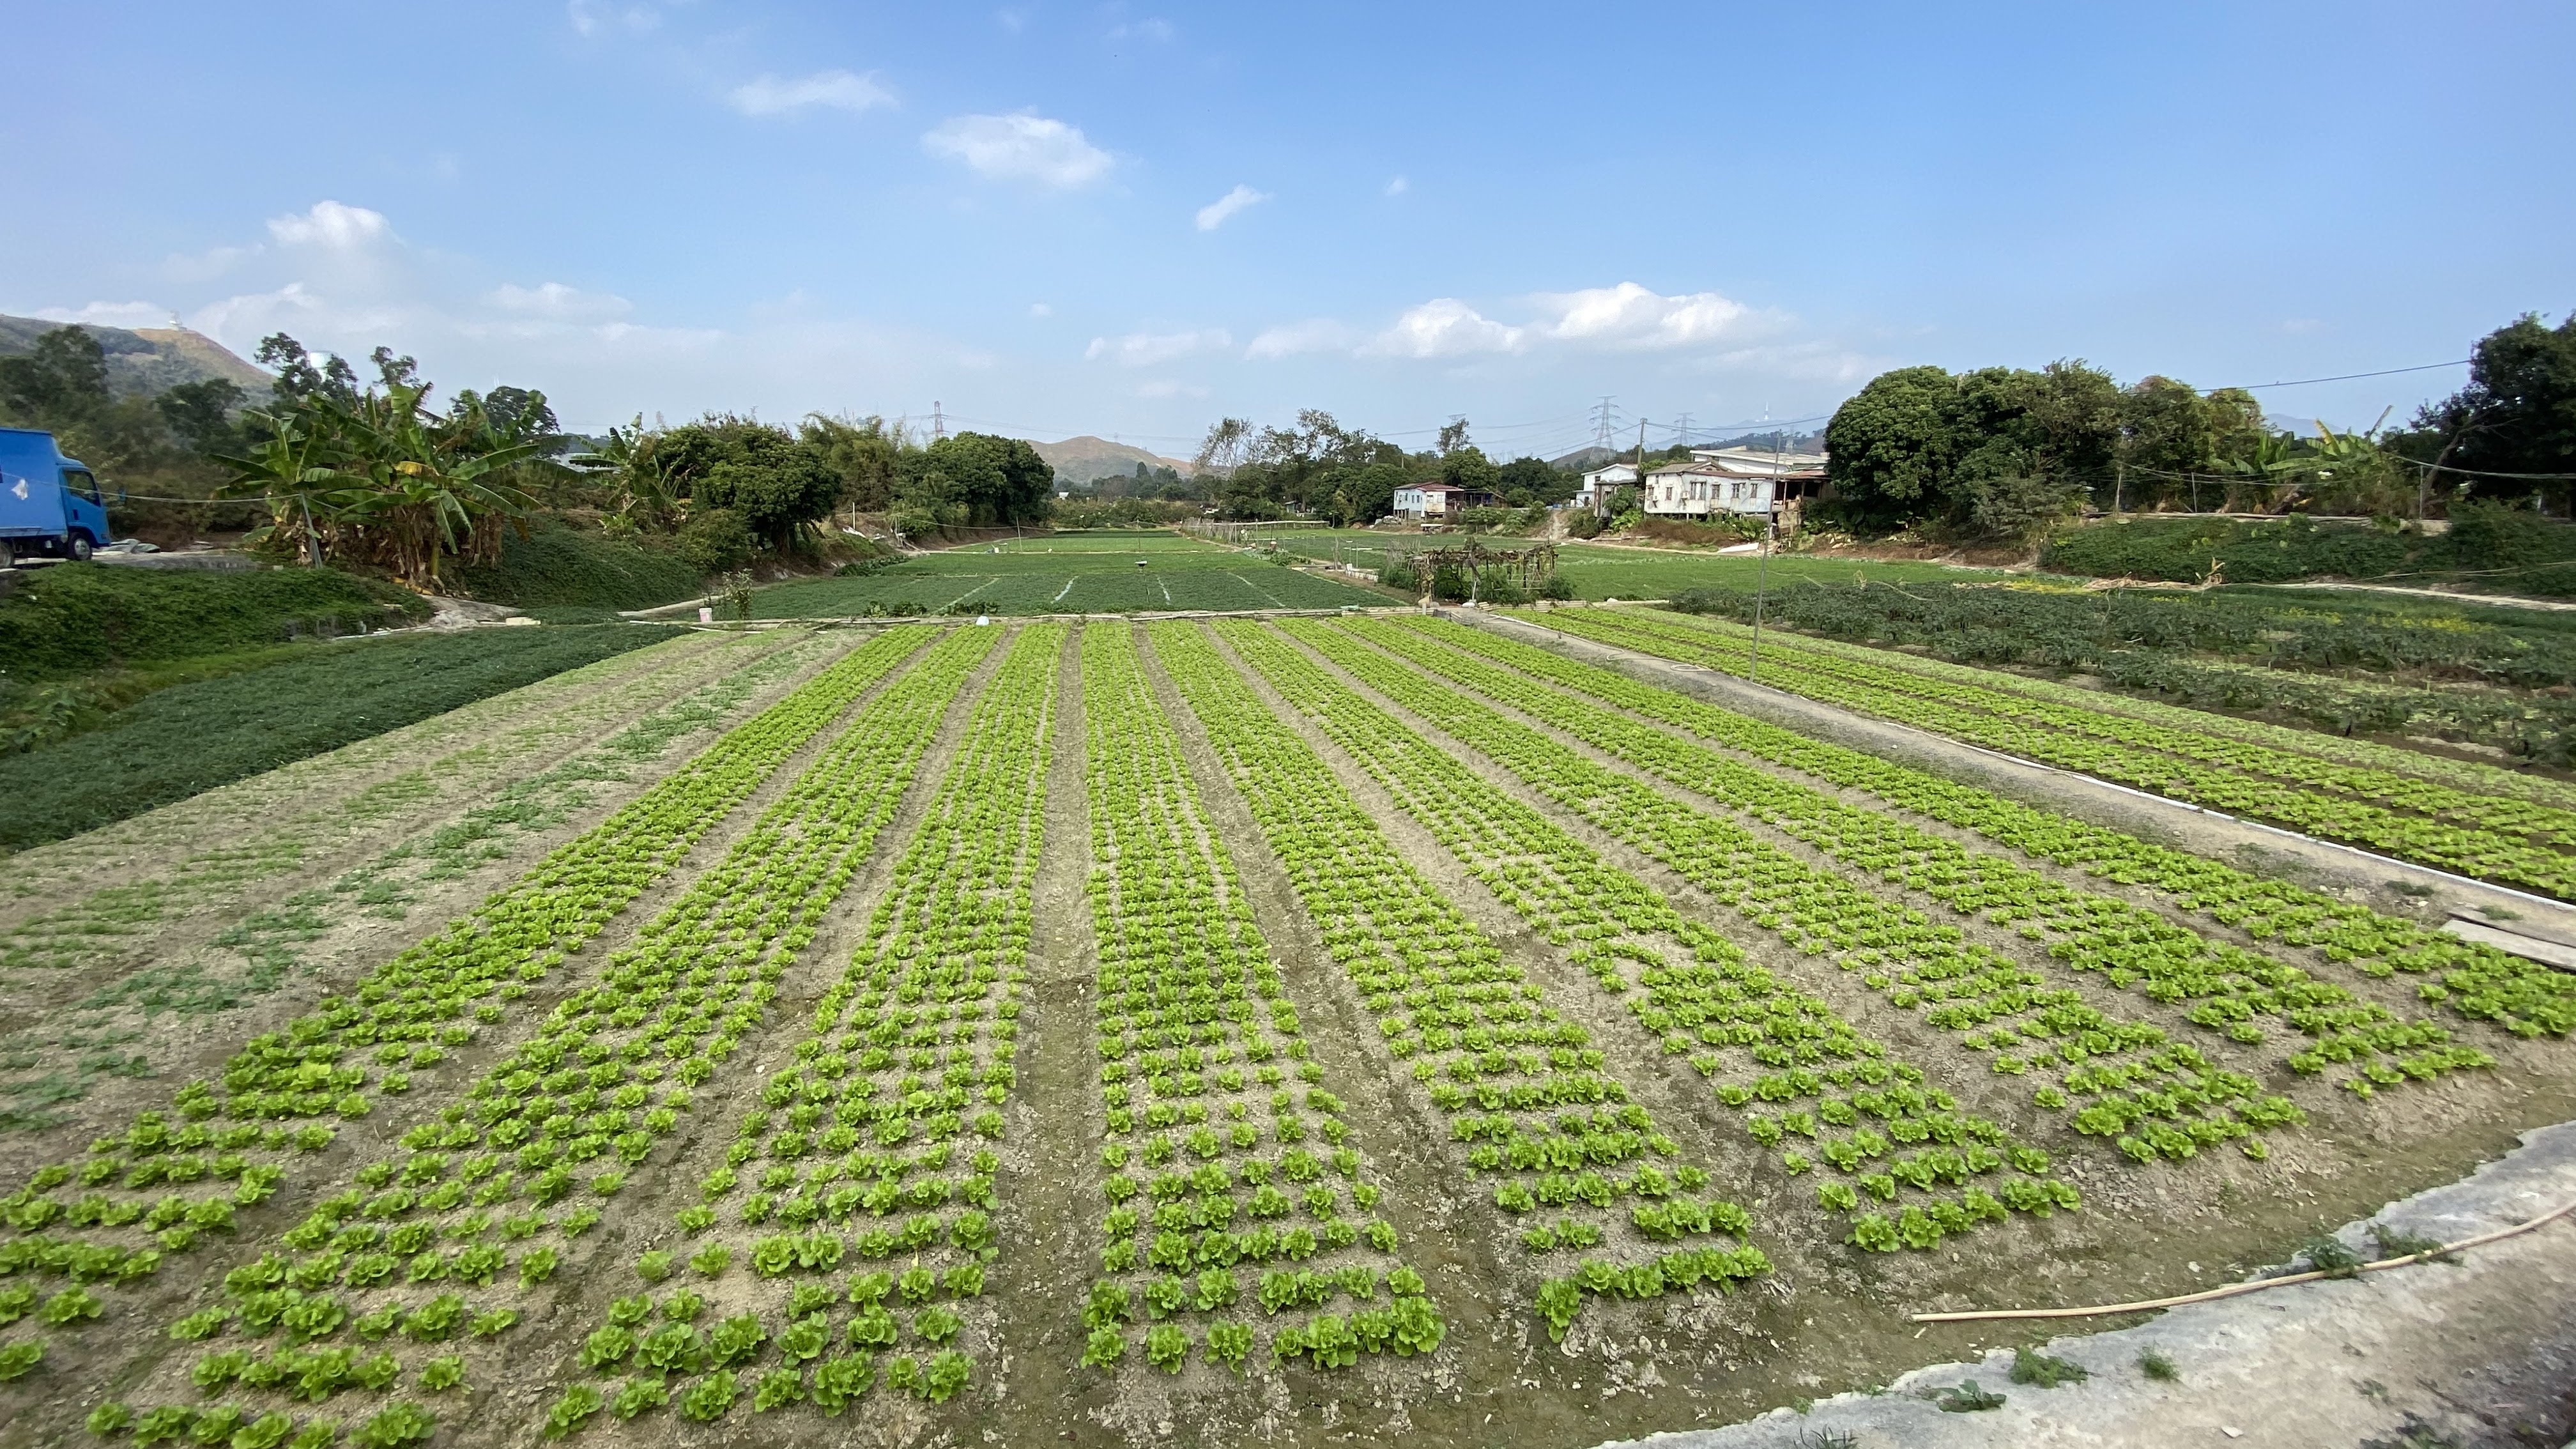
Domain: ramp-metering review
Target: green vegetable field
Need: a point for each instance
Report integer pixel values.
(1372, 1025)
(1077, 573)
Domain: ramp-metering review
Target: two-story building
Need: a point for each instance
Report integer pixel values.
(1733, 480)
(1601, 482)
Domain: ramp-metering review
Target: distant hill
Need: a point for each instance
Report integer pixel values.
(147, 359)
(1086, 458)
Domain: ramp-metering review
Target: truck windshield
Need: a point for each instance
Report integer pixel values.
(81, 483)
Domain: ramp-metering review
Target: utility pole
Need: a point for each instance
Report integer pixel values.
(1642, 495)
(1762, 560)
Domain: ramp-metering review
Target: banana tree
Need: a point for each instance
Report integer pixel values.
(434, 487)
(638, 481)
(293, 469)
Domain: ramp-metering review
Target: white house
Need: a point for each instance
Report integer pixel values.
(1598, 483)
(1439, 502)
(1733, 480)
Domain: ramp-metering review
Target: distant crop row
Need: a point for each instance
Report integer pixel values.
(2228, 988)
(2475, 981)
(2232, 775)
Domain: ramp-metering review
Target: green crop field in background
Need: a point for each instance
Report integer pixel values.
(1624, 573)
(1066, 574)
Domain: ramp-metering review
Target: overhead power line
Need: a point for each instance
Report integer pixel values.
(2347, 377)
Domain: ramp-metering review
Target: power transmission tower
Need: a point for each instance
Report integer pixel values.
(1601, 426)
(1685, 430)
(938, 422)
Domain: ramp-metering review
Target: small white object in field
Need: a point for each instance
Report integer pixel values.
(518, 619)
(981, 620)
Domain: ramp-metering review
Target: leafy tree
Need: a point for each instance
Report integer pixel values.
(1318, 467)
(1891, 445)
(865, 453)
(1524, 482)
(1466, 466)
(2517, 415)
(974, 479)
(62, 379)
(777, 486)
(298, 377)
(1997, 453)
(200, 414)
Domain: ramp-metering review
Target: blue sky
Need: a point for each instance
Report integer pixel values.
(1131, 219)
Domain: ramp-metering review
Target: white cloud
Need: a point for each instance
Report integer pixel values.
(333, 225)
(1398, 186)
(592, 17)
(112, 314)
(1319, 334)
(1021, 147)
(207, 265)
(557, 302)
(1446, 327)
(839, 89)
(1159, 31)
(1214, 214)
(1040, 309)
(1629, 315)
(1144, 349)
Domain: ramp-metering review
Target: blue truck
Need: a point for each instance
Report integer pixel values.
(49, 504)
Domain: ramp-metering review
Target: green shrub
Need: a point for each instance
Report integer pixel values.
(716, 540)
(560, 566)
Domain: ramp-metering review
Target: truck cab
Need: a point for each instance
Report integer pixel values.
(49, 504)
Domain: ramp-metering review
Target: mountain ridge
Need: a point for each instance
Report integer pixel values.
(1085, 458)
(146, 360)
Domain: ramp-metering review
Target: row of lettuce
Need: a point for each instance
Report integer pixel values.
(848, 1214)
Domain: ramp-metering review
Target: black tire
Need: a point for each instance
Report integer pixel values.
(80, 548)
(8, 554)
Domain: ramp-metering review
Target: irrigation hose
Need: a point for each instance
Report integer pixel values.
(2256, 1286)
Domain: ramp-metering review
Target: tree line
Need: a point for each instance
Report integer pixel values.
(2001, 453)
(1317, 468)
(333, 466)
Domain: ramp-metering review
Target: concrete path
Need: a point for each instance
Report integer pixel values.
(2480, 1354)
